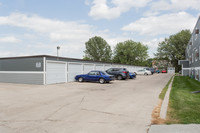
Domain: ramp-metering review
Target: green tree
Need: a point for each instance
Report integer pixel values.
(97, 49)
(173, 48)
(130, 52)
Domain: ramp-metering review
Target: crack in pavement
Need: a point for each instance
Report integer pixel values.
(108, 113)
(82, 100)
(60, 108)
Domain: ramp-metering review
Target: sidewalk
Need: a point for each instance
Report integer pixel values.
(175, 128)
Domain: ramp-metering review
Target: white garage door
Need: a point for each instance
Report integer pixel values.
(100, 67)
(88, 68)
(73, 70)
(56, 72)
(107, 67)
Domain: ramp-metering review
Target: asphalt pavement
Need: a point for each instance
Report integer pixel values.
(118, 107)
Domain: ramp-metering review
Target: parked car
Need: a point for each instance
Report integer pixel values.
(150, 69)
(99, 76)
(132, 75)
(164, 71)
(143, 72)
(157, 71)
(119, 73)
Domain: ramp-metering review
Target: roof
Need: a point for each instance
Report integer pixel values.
(50, 56)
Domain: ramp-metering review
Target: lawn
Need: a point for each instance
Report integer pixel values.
(184, 106)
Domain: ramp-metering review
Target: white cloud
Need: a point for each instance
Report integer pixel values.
(56, 30)
(9, 39)
(43, 35)
(101, 9)
(153, 45)
(175, 5)
(161, 25)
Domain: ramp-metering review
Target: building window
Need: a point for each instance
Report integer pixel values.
(196, 55)
(197, 31)
(192, 57)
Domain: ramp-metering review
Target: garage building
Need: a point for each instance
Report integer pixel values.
(45, 69)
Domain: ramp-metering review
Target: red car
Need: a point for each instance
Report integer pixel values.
(164, 71)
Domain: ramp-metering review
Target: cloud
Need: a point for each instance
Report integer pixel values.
(102, 10)
(55, 29)
(9, 39)
(42, 35)
(162, 25)
(175, 5)
(152, 45)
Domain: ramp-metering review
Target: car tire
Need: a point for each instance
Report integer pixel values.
(119, 77)
(80, 79)
(101, 81)
(146, 74)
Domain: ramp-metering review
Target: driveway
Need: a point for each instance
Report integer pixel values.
(118, 107)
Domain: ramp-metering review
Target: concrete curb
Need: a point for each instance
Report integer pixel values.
(164, 107)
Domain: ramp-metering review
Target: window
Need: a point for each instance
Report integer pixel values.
(92, 73)
(197, 31)
(196, 55)
(192, 57)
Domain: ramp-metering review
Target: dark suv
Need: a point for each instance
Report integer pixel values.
(119, 73)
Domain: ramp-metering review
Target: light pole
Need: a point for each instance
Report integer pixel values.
(58, 48)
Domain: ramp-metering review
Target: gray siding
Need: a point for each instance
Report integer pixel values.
(22, 78)
(194, 47)
(21, 64)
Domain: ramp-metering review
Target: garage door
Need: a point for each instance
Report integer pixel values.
(73, 70)
(107, 67)
(56, 72)
(100, 67)
(88, 68)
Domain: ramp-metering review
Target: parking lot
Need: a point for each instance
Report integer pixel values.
(123, 106)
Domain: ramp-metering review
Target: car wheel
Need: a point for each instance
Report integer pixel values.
(80, 79)
(101, 81)
(119, 77)
(145, 73)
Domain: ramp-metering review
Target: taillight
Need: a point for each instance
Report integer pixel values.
(125, 72)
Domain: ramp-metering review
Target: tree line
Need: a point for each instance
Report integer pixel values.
(130, 52)
(127, 52)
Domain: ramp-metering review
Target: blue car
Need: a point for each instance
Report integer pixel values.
(93, 76)
(132, 75)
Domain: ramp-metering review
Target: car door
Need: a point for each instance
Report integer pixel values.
(89, 76)
(93, 76)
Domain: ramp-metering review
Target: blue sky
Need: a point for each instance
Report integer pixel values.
(32, 27)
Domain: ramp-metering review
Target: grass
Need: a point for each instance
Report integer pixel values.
(184, 106)
(162, 94)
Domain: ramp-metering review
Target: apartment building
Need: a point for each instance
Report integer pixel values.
(191, 65)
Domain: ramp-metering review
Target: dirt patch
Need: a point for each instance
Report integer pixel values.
(156, 114)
